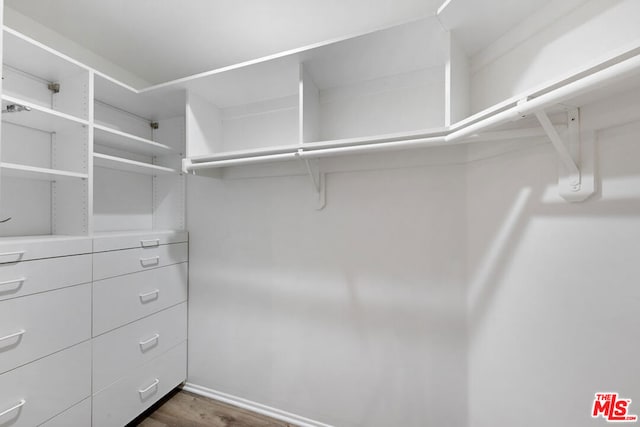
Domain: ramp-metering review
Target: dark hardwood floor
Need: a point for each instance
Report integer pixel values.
(184, 409)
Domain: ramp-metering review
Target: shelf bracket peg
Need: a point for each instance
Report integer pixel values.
(576, 175)
(317, 179)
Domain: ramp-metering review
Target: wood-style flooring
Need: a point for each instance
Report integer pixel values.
(184, 409)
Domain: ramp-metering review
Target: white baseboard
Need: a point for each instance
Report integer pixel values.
(253, 406)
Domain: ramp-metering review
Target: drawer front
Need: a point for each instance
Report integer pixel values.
(31, 277)
(117, 263)
(77, 416)
(122, 351)
(36, 392)
(123, 299)
(14, 250)
(123, 401)
(35, 326)
(138, 240)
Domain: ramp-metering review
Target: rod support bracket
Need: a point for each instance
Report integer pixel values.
(54, 87)
(317, 178)
(576, 152)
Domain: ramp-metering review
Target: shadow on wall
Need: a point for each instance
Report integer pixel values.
(522, 204)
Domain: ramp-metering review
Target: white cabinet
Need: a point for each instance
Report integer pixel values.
(124, 400)
(37, 325)
(389, 84)
(139, 322)
(93, 256)
(34, 393)
(121, 352)
(117, 263)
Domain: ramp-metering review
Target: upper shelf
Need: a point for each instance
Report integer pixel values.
(399, 49)
(614, 74)
(41, 118)
(127, 142)
(150, 106)
(32, 57)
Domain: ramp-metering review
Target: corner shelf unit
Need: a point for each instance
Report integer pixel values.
(355, 88)
(83, 153)
(400, 88)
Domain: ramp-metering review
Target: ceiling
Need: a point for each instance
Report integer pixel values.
(161, 40)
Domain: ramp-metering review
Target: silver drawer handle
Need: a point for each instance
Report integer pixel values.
(11, 282)
(15, 334)
(13, 408)
(18, 253)
(150, 243)
(150, 261)
(150, 340)
(144, 390)
(149, 294)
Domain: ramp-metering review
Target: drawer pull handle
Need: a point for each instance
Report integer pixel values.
(150, 243)
(155, 294)
(144, 390)
(11, 282)
(150, 340)
(19, 255)
(13, 408)
(15, 334)
(147, 262)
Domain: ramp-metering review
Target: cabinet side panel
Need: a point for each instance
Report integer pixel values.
(457, 83)
(309, 108)
(203, 126)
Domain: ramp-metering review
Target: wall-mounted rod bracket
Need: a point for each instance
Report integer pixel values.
(54, 87)
(317, 179)
(576, 181)
(154, 125)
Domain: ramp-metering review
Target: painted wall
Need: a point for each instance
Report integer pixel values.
(554, 302)
(351, 316)
(39, 32)
(565, 35)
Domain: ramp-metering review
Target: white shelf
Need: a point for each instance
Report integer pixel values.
(32, 172)
(126, 165)
(339, 62)
(32, 57)
(113, 138)
(151, 106)
(41, 118)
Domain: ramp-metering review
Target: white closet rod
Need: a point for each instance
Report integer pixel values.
(468, 133)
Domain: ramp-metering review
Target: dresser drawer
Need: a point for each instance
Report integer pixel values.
(124, 400)
(123, 299)
(34, 326)
(36, 392)
(122, 351)
(116, 263)
(27, 248)
(77, 416)
(114, 241)
(30, 277)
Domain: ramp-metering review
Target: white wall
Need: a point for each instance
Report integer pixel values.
(351, 316)
(554, 301)
(39, 32)
(546, 47)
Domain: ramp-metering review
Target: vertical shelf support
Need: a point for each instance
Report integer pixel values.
(576, 181)
(317, 179)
